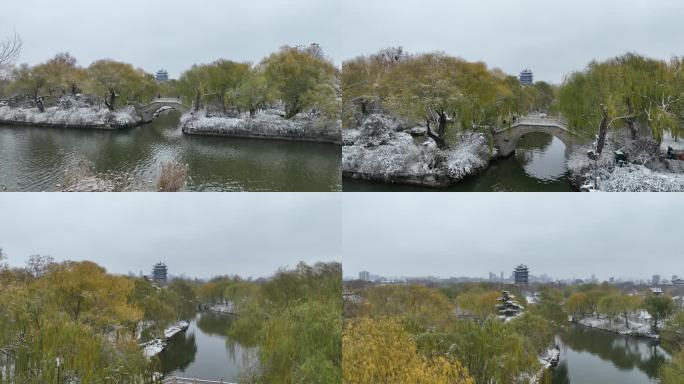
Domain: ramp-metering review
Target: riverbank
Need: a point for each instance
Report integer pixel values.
(223, 309)
(386, 149)
(265, 125)
(69, 116)
(644, 171)
(156, 346)
(638, 326)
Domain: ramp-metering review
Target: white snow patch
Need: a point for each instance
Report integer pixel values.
(263, 124)
(76, 116)
(627, 178)
(156, 346)
(378, 150)
(639, 325)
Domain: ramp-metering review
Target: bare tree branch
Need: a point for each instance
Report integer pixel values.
(10, 49)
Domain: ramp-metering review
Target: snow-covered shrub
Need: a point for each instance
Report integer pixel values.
(470, 155)
(382, 149)
(638, 178)
(644, 172)
(68, 114)
(397, 157)
(263, 124)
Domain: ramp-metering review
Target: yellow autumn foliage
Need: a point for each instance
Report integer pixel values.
(381, 351)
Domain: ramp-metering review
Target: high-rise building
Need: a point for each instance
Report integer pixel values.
(521, 275)
(162, 76)
(364, 275)
(655, 280)
(526, 77)
(160, 273)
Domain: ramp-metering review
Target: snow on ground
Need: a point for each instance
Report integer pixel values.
(638, 178)
(223, 308)
(669, 141)
(75, 116)
(626, 178)
(639, 325)
(174, 330)
(156, 346)
(550, 358)
(263, 124)
(380, 149)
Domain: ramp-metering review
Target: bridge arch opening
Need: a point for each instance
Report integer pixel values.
(158, 107)
(542, 156)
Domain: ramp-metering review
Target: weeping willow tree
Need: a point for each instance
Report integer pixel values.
(74, 322)
(641, 94)
(295, 320)
(436, 89)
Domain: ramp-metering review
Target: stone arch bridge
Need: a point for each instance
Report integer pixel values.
(506, 140)
(149, 111)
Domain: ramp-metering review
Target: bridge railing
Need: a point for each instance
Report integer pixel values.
(185, 380)
(538, 120)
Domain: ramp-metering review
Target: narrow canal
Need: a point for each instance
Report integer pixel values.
(599, 357)
(539, 165)
(204, 352)
(36, 159)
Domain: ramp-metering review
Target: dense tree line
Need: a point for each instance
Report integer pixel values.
(296, 79)
(113, 83)
(295, 320)
(72, 321)
(438, 90)
(439, 346)
(454, 334)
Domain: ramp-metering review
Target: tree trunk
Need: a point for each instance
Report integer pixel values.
(438, 137)
(222, 99)
(632, 121)
(603, 131)
(74, 89)
(293, 110)
(39, 104)
(198, 98)
(112, 100)
(252, 112)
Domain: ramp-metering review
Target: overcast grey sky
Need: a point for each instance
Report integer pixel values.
(550, 37)
(199, 234)
(170, 34)
(563, 235)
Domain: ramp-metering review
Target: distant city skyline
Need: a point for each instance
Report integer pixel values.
(509, 278)
(199, 235)
(550, 38)
(567, 236)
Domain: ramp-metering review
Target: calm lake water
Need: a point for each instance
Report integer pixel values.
(202, 351)
(598, 357)
(35, 159)
(539, 165)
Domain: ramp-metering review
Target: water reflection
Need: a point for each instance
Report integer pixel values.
(34, 159)
(202, 352)
(592, 356)
(542, 156)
